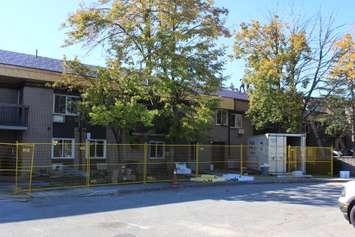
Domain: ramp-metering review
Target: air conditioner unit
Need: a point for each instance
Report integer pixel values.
(57, 167)
(240, 131)
(58, 118)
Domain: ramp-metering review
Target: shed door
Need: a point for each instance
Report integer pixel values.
(277, 154)
(281, 154)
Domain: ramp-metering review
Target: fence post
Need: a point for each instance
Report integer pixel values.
(241, 159)
(87, 157)
(145, 160)
(31, 168)
(16, 171)
(197, 159)
(331, 162)
(289, 165)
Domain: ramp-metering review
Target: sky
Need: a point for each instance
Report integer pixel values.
(27, 25)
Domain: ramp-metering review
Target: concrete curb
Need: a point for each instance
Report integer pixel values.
(139, 188)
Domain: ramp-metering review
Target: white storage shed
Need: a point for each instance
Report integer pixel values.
(271, 149)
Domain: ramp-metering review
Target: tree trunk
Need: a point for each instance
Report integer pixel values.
(316, 134)
(117, 135)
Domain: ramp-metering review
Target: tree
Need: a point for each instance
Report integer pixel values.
(110, 97)
(286, 65)
(344, 76)
(272, 59)
(336, 119)
(162, 60)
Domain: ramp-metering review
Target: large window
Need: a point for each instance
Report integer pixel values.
(62, 148)
(65, 104)
(221, 117)
(97, 149)
(156, 150)
(236, 121)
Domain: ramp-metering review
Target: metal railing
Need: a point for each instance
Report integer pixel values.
(41, 166)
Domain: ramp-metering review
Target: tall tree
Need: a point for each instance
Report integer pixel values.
(286, 65)
(273, 56)
(167, 47)
(344, 76)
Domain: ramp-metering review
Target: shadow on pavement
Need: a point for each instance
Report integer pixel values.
(52, 207)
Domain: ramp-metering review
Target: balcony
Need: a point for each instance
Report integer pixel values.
(13, 117)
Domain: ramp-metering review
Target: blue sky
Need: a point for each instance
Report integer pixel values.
(27, 25)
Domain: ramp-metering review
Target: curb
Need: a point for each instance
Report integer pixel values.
(180, 186)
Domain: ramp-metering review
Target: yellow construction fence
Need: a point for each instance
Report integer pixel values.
(39, 166)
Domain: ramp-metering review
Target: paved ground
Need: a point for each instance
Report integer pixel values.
(240, 210)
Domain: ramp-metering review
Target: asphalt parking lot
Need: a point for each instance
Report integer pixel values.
(238, 210)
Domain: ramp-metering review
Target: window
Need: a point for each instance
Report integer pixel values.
(72, 107)
(97, 149)
(221, 117)
(65, 104)
(236, 121)
(156, 150)
(62, 148)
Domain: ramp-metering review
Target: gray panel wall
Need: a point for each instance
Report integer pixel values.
(8, 95)
(40, 102)
(220, 133)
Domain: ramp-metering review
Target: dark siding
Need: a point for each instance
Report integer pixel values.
(8, 136)
(66, 92)
(40, 102)
(8, 95)
(66, 129)
(97, 132)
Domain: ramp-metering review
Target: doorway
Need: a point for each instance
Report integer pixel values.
(294, 154)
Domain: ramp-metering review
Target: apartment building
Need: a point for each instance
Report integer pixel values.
(31, 111)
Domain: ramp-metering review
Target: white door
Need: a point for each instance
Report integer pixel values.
(281, 154)
(277, 154)
(272, 154)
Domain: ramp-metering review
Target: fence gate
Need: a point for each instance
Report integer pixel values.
(316, 161)
(24, 167)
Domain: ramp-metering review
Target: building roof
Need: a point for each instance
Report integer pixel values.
(235, 94)
(56, 65)
(30, 61)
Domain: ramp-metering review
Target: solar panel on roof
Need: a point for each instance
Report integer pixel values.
(56, 65)
(30, 61)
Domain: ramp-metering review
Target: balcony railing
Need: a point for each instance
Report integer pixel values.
(13, 116)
